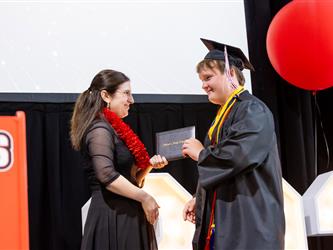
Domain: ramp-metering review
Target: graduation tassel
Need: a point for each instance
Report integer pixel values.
(227, 69)
(211, 228)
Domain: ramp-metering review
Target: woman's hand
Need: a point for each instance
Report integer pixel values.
(155, 162)
(158, 161)
(192, 148)
(150, 208)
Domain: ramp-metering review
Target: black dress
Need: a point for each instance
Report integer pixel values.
(113, 221)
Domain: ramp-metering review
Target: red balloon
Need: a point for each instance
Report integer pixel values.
(300, 44)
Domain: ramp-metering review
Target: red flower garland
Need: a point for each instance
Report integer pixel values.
(131, 140)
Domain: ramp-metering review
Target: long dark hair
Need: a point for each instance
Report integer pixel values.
(89, 104)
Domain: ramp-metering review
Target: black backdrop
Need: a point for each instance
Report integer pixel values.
(57, 185)
(293, 109)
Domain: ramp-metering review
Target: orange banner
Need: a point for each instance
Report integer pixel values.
(14, 224)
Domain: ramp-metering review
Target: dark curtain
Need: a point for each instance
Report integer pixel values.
(56, 188)
(293, 108)
(57, 184)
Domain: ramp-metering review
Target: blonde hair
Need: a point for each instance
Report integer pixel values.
(220, 65)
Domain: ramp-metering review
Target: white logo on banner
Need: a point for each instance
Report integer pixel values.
(6, 151)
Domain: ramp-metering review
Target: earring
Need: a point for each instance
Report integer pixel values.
(108, 105)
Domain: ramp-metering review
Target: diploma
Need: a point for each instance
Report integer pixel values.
(169, 143)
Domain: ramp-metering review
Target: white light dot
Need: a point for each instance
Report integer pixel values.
(3, 62)
(54, 53)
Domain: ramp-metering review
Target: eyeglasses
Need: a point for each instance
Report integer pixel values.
(125, 93)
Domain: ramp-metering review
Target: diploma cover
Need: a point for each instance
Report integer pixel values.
(169, 143)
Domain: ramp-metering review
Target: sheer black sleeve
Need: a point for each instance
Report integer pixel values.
(101, 146)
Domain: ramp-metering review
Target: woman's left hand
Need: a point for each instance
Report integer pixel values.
(158, 161)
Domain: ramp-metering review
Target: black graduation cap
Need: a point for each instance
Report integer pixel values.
(235, 55)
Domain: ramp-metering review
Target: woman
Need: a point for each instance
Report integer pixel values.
(121, 214)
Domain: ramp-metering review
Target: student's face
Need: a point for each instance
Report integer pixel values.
(122, 99)
(214, 84)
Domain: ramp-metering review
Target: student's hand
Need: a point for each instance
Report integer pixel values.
(150, 208)
(189, 211)
(158, 161)
(192, 148)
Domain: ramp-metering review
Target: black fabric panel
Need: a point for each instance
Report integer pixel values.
(324, 99)
(71, 97)
(293, 109)
(58, 187)
(291, 106)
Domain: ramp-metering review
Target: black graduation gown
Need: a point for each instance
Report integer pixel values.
(244, 169)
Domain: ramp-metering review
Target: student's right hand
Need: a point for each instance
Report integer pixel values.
(150, 208)
(192, 148)
(189, 211)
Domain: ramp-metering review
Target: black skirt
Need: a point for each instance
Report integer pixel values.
(116, 223)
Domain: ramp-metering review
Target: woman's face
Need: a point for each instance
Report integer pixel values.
(122, 99)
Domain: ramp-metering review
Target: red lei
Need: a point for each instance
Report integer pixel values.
(131, 140)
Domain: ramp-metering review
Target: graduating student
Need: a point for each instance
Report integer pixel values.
(239, 199)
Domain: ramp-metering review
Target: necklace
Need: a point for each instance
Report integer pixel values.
(130, 139)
